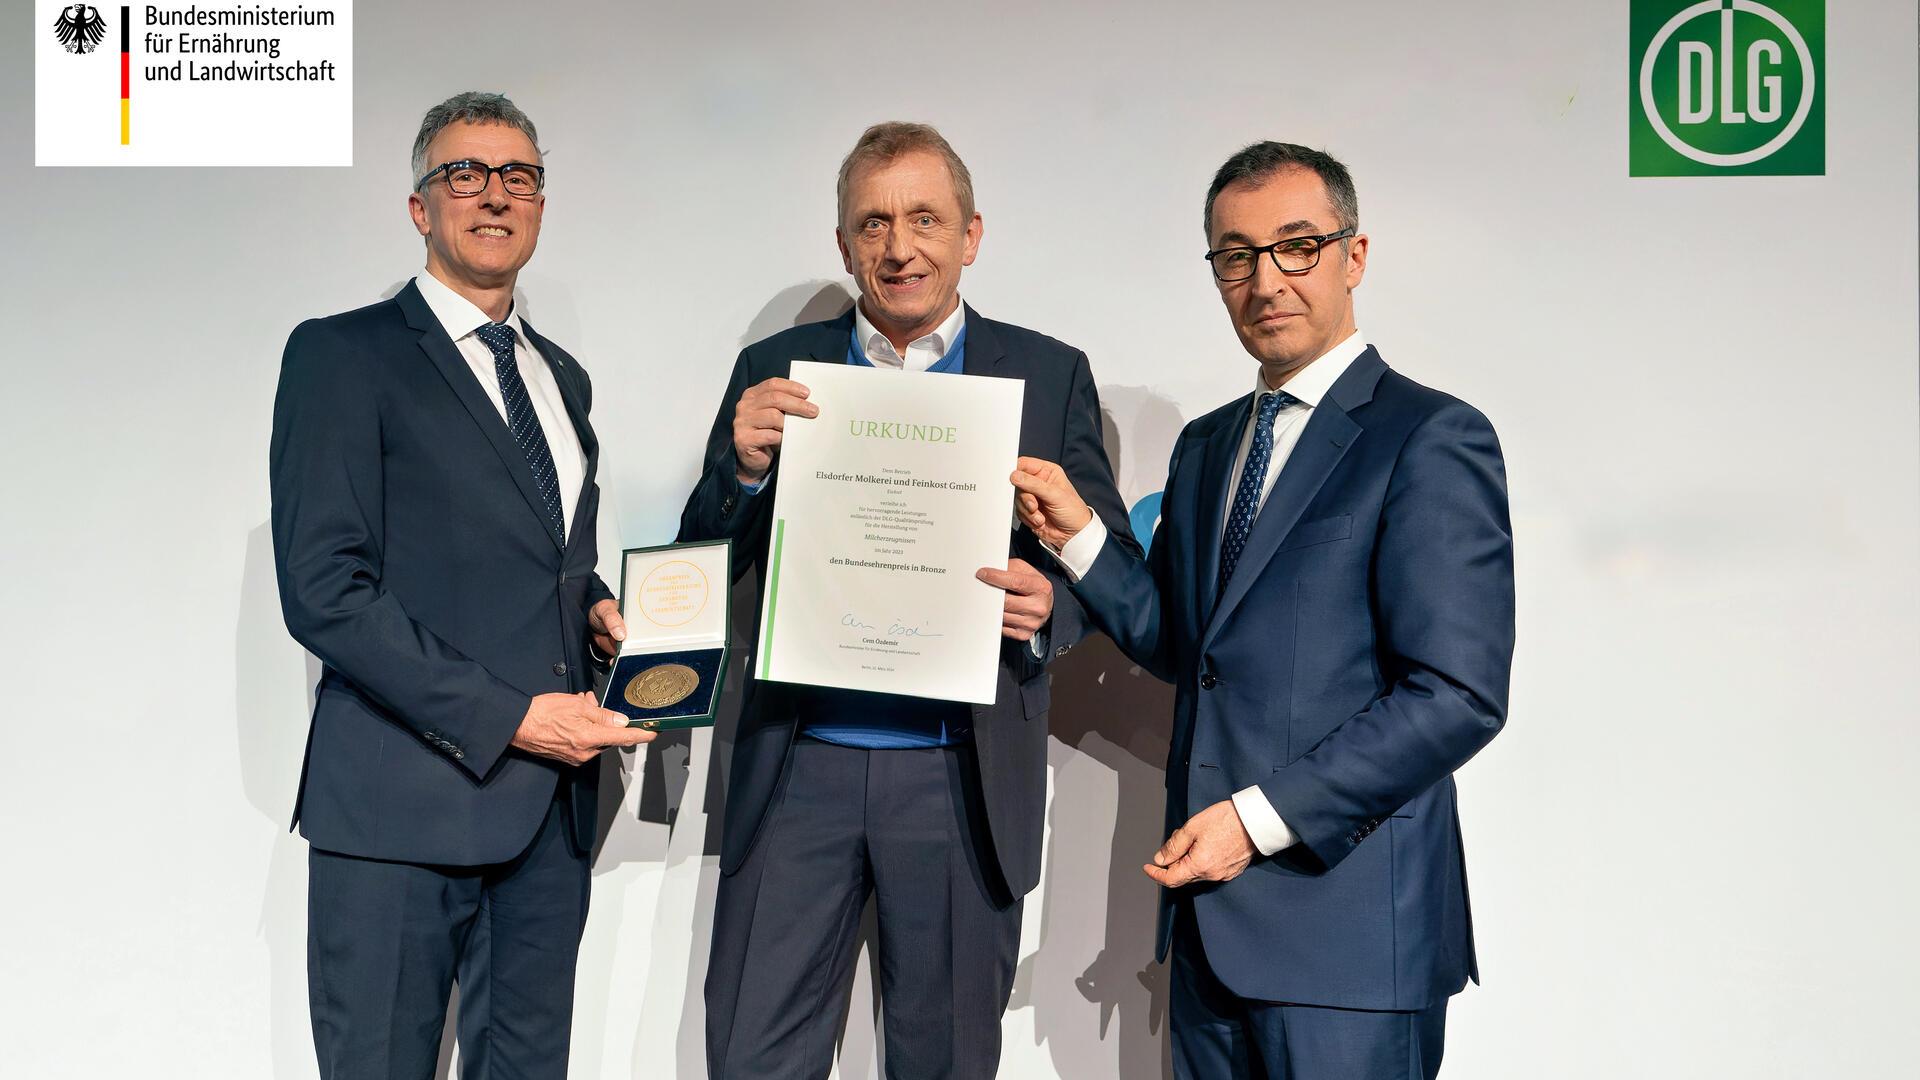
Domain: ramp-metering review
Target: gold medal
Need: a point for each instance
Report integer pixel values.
(661, 686)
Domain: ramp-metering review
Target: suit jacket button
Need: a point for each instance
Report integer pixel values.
(1062, 650)
(559, 669)
(726, 505)
(1208, 680)
(458, 754)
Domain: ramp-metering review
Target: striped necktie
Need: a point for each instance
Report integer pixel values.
(525, 425)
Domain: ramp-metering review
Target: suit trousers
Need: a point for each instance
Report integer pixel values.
(1218, 1035)
(386, 941)
(907, 828)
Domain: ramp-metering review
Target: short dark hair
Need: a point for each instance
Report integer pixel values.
(470, 107)
(1262, 159)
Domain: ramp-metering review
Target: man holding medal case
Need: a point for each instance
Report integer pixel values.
(935, 808)
(434, 508)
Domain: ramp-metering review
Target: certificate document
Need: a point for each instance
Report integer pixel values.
(884, 507)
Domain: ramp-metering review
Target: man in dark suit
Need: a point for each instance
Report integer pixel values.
(1330, 591)
(433, 526)
(933, 808)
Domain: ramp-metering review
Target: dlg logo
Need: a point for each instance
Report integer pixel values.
(1728, 86)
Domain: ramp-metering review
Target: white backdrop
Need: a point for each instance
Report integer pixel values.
(1691, 851)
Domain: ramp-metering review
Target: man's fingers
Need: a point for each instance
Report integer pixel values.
(759, 441)
(1175, 848)
(999, 579)
(629, 736)
(764, 420)
(1171, 877)
(1030, 610)
(777, 385)
(1030, 485)
(617, 733)
(781, 403)
(616, 626)
(1033, 466)
(1020, 579)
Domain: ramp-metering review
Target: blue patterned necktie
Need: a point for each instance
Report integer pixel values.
(1246, 497)
(524, 424)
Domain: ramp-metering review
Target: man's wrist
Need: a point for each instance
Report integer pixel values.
(1083, 525)
(1077, 555)
(1263, 824)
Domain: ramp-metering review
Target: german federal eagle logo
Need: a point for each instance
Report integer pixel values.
(80, 28)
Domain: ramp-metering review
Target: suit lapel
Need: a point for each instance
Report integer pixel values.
(986, 353)
(1330, 431)
(453, 368)
(827, 343)
(556, 360)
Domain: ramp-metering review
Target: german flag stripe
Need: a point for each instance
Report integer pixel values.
(126, 72)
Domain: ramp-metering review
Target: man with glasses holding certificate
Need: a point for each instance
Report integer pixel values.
(1330, 592)
(935, 808)
(433, 524)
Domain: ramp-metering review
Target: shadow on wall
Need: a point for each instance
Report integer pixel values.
(798, 305)
(1111, 724)
(274, 679)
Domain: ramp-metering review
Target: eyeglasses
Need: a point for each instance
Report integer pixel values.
(471, 177)
(1294, 255)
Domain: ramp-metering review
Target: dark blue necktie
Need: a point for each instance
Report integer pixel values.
(1246, 498)
(526, 426)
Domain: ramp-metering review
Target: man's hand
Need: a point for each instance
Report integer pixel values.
(572, 729)
(609, 629)
(758, 420)
(1047, 502)
(1029, 598)
(1212, 846)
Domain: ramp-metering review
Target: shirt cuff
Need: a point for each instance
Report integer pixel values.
(1077, 556)
(750, 489)
(1262, 823)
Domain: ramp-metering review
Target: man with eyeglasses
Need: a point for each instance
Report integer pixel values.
(1330, 591)
(433, 524)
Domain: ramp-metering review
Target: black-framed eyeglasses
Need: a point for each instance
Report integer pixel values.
(471, 177)
(1294, 255)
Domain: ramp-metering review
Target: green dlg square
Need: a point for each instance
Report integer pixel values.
(1727, 87)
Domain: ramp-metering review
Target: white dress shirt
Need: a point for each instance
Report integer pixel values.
(922, 352)
(460, 317)
(1309, 385)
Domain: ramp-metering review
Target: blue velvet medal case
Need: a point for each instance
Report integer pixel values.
(670, 668)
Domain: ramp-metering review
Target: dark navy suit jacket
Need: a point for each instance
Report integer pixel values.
(415, 561)
(1358, 657)
(1060, 421)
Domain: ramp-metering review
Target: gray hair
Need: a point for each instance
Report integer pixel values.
(470, 107)
(884, 142)
(1256, 163)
